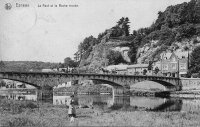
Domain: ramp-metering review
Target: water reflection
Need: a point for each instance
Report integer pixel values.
(110, 103)
(19, 96)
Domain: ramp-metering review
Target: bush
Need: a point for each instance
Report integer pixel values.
(195, 41)
(195, 60)
(115, 57)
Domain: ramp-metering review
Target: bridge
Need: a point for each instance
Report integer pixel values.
(45, 81)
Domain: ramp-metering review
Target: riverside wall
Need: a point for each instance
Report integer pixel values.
(190, 83)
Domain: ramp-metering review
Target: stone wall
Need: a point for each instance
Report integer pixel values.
(190, 83)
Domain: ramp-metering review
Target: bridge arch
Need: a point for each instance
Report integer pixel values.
(32, 84)
(153, 85)
(107, 82)
(43, 79)
(164, 83)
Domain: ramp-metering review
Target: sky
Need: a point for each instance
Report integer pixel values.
(50, 34)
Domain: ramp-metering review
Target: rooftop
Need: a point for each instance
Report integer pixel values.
(138, 66)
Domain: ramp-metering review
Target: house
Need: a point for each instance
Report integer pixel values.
(47, 70)
(135, 69)
(174, 65)
(138, 69)
(119, 69)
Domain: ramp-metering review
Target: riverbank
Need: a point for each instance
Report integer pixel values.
(186, 94)
(23, 114)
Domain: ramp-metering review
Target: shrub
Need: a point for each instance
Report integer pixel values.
(195, 41)
(115, 57)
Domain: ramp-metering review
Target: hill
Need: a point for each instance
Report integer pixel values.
(25, 65)
(176, 29)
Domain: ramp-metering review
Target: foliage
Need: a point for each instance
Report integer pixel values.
(185, 31)
(60, 65)
(2, 66)
(195, 41)
(100, 36)
(88, 42)
(28, 65)
(154, 35)
(123, 23)
(179, 14)
(86, 46)
(68, 62)
(195, 61)
(122, 28)
(144, 72)
(2, 83)
(156, 54)
(167, 36)
(115, 57)
(87, 53)
(117, 32)
(156, 70)
(176, 23)
(132, 53)
(186, 48)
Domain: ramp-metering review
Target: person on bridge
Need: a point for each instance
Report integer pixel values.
(72, 110)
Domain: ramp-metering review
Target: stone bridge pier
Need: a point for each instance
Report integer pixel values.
(45, 93)
(120, 90)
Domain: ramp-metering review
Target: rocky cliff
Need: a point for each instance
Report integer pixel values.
(176, 29)
(98, 56)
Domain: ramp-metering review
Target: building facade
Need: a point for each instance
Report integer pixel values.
(174, 65)
(138, 69)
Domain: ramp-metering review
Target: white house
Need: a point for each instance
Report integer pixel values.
(138, 69)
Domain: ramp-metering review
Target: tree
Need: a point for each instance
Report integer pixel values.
(132, 53)
(60, 65)
(126, 27)
(2, 83)
(156, 70)
(117, 32)
(123, 23)
(195, 61)
(2, 66)
(120, 21)
(150, 65)
(88, 42)
(144, 72)
(86, 46)
(115, 57)
(68, 62)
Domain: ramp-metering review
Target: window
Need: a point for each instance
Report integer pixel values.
(173, 59)
(165, 67)
(183, 66)
(173, 66)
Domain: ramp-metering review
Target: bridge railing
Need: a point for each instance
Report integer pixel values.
(81, 72)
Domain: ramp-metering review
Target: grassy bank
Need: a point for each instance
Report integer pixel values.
(47, 115)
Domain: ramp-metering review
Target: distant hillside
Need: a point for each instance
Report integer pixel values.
(176, 29)
(25, 65)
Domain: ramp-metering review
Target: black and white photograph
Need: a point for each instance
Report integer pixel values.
(81, 63)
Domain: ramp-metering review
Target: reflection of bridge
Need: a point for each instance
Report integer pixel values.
(120, 83)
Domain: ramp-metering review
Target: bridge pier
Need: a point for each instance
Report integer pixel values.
(120, 91)
(45, 93)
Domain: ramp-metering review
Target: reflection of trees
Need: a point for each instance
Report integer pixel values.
(170, 105)
(120, 103)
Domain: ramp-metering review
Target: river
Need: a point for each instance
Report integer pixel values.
(110, 103)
